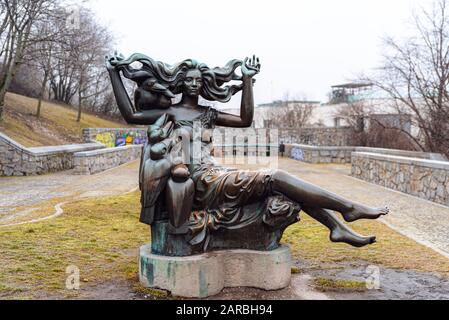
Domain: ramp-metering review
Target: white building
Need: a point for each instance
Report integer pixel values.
(341, 109)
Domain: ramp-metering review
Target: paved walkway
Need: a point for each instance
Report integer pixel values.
(34, 191)
(421, 220)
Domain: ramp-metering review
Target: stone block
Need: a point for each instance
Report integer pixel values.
(205, 275)
(7, 171)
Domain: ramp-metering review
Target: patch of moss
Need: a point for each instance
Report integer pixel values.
(324, 284)
(150, 292)
(295, 270)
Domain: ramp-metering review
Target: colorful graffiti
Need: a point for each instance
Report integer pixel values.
(106, 138)
(297, 154)
(121, 138)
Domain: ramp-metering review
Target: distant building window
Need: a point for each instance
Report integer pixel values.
(399, 121)
(268, 123)
(360, 124)
(337, 122)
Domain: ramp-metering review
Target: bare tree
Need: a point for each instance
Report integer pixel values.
(89, 55)
(355, 114)
(373, 129)
(415, 74)
(44, 52)
(77, 73)
(16, 33)
(38, 36)
(288, 113)
(4, 21)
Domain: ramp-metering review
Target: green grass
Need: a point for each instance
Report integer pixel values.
(57, 124)
(101, 237)
(295, 270)
(324, 284)
(151, 292)
(309, 240)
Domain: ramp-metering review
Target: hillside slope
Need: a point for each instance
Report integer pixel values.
(56, 125)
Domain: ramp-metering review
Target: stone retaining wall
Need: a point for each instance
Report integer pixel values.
(244, 150)
(323, 154)
(427, 179)
(95, 161)
(319, 136)
(17, 160)
(313, 154)
(311, 136)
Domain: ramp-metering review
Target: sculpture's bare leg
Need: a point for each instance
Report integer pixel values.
(312, 196)
(339, 231)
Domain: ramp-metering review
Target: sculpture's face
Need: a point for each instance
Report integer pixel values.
(193, 82)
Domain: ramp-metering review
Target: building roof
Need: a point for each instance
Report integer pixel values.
(280, 102)
(353, 85)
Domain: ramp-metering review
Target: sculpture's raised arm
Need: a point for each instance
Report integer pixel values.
(124, 103)
(250, 67)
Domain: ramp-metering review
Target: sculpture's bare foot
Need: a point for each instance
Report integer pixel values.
(348, 236)
(364, 212)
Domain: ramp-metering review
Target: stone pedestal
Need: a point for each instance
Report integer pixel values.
(204, 275)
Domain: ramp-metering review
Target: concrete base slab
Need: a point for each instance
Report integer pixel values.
(205, 275)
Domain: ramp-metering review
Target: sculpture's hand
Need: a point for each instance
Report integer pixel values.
(112, 61)
(250, 67)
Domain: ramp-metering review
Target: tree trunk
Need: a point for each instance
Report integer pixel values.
(41, 96)
(78, 119)
(14, 64)
(39, 104)
(8, 79)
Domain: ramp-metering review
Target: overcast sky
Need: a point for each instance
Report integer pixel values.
(304, 46)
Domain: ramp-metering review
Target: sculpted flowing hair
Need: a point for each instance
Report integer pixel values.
(172, 77)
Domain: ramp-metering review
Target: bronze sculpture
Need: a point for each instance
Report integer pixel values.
(197, 207)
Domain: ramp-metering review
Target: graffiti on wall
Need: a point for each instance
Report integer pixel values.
(121, 138)
(297, 154)
(106, 138)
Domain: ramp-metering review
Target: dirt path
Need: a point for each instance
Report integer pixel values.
(20, 197)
